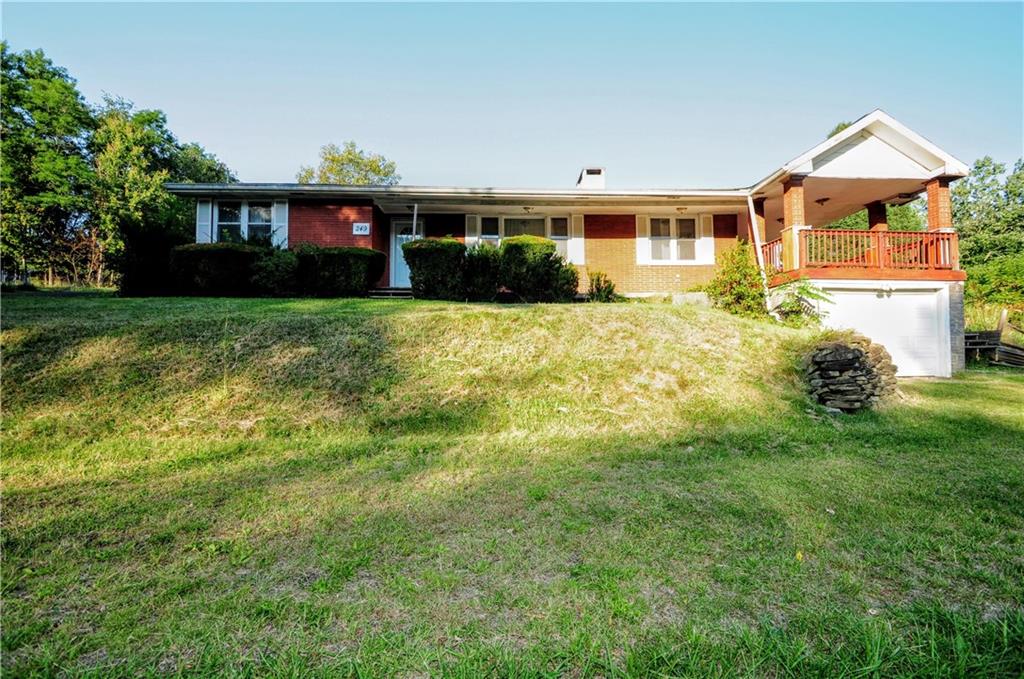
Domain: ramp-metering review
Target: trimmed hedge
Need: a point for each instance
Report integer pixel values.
(436, 267)
(338, 272)
(239, 270)
(214, 269)
(532, 270)
(276, 274)
(483, 265)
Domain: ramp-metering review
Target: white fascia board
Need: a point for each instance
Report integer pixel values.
(441, 191)
(802, 164)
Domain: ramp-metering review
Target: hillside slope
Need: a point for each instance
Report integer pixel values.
(292, 486)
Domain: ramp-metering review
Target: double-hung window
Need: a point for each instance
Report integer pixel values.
(493, 229)
(490, 230)
(241, 221)
(229, 221)
(559, 232)
(259, 222)
(661, 238)
(686, 238)
(673, 239)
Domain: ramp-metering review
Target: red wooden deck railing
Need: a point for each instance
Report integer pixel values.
(771, 252)
(922, 250)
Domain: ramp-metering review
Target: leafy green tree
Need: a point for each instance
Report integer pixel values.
(45, 170)
(350, 165)
(136, 220)
(909, 217)
(988, 211)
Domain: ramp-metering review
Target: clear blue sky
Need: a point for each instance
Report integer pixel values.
(523, 95)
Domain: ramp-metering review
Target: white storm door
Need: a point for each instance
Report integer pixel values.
(402, 231)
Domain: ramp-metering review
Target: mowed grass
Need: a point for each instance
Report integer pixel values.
(379, 488)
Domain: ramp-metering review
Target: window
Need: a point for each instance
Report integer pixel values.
(661, 238)
(229, 222)
(524, 226)
(559, 232)
(673, 239)
(259, 222)
(493, 229)
(240, 221)
(686, 228)
(490, 230)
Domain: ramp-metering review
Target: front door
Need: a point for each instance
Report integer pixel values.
(402, 231)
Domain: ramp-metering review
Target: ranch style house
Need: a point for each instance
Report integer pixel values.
(903, 289)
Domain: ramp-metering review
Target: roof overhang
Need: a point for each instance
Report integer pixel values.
(875, 159)
(398, 198)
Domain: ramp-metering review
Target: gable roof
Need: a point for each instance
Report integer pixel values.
(876, 146)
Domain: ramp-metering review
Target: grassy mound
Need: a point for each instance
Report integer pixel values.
(378, 487)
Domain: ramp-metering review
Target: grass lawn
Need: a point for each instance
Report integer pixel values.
(375, 488)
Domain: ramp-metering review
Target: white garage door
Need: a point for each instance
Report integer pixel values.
(909, 323)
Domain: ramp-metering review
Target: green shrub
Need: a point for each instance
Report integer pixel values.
(436, 268)
(213, 269)
(275, 273)
(737, 286)
(482, 267)
(337, 272)
(532, 271)
(1000, 281)
(796, 302)
(143, 265)
(601, 288)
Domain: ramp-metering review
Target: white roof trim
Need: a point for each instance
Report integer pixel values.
(883, 122)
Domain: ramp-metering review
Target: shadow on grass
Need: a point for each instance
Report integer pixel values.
(424, 543)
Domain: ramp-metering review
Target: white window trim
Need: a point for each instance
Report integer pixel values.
(244, 217)
(703, 244)
(573, 240)
(496, 240)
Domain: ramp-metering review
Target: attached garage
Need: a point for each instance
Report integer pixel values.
(909, 318)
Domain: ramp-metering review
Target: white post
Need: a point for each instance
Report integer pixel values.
(415, 210)
(757, 248)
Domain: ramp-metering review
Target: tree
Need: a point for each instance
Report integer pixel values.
(349, 165)
(988, 211)
(135, 220)
(907, 217)
(45, 170)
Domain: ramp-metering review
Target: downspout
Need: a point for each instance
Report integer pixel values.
(757, 249)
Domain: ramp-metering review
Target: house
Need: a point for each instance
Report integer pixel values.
(903, 289)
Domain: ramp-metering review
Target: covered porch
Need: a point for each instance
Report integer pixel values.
(872, 165)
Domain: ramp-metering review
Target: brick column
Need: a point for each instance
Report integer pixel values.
(940, 208)
(793, 202)
(878, 219)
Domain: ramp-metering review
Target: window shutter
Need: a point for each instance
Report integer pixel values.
(643, 240)
(707, 226)
(576, 249)
(279, 224)
(204, 221)
(472, 230)
(704, 248)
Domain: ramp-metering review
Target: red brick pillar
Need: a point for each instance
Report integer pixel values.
(878, 219)
(793, 202)
(940, 207)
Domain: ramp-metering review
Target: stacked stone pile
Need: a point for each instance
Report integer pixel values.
(850, 374)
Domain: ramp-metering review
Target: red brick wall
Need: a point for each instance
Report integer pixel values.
(328, 224)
